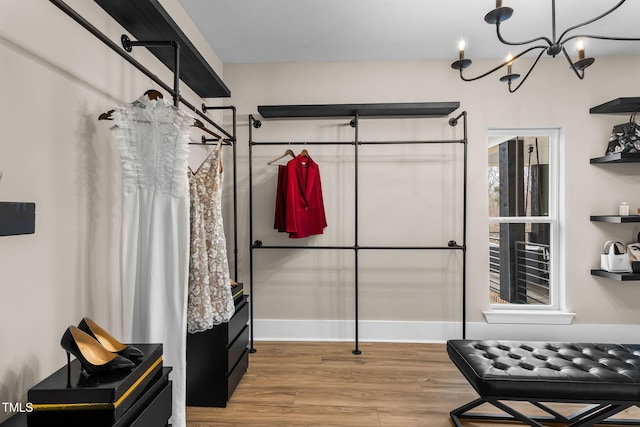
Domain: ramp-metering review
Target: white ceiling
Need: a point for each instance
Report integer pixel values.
(267, 31)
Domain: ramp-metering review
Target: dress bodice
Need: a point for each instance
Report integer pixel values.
(153, 142)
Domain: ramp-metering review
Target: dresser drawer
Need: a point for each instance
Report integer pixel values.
(238, 321)
(237, 348)
(236, 375)
(158, 412)
(217, 359)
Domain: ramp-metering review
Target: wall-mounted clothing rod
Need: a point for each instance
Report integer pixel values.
(120, 51)
(231, 142)
(209, 141)
(234, 119)
(128, 45)
(444, 141)
(304, 143)
(312, 112)
(257, 245)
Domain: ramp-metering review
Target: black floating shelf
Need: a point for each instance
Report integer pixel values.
(617, 158)
(623, 277)
(407, 109)
(617, 106)
(618, 219)
(146, 20)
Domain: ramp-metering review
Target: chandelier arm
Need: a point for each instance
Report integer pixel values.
(589, 22)
(493, 70)
(528, 72)
(580, 74)
(520, 43)
(592, 36)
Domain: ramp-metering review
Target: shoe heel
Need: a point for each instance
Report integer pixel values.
(68, 369)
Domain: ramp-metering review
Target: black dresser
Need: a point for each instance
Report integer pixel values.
(217, 359)
(70, 398)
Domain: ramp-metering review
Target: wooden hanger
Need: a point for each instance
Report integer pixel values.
(153, 94)
(198, 124)
(106, 116)
(289, 152)
(305, 153)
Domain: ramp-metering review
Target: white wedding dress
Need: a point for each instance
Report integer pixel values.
(152, 138)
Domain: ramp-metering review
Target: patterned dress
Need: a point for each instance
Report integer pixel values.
(210, 301)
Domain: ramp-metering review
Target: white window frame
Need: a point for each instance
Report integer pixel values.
(553, 313)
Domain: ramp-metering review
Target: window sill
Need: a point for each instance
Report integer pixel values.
(538, 317)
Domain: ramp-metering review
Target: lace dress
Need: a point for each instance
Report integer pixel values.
(152, 138)
(210, 301)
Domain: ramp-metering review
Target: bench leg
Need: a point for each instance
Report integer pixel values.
(463, 412)
(599, 415)
(463, 409)
(591, 415)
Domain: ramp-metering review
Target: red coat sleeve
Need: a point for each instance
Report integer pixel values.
(279, 222)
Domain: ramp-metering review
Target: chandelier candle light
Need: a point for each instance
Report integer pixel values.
(552, 47)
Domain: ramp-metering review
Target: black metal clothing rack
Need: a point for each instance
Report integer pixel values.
(357, 111)
(127, 46)
(200, 347)
(231, 142)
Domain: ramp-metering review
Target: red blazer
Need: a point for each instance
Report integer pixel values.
(304, 207)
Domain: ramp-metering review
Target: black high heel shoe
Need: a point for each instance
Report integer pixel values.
(110, 343)
(93, 357)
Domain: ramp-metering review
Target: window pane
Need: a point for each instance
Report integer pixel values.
(519, 176)
(519, 171)
(519, 258)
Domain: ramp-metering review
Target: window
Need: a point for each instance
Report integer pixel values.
(525, 245)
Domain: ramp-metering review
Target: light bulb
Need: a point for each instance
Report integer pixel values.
(580, 46)
(461, 46)
(509, 62)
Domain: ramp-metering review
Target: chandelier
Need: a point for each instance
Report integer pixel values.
(552, 47)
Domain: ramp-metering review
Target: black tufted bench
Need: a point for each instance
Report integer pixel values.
(606, 377)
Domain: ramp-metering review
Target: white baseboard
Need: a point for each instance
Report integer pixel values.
(401, 331)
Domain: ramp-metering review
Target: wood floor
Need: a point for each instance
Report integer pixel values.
(324, 384)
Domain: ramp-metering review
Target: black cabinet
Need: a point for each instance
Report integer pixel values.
(69, 397)
(153, 409)
(217, 359)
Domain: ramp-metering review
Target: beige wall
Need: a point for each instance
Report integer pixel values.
(409, 287)
(58, 78)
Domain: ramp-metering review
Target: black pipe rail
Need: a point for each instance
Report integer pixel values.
(175, 93)
(452, 245)
(123, 51)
